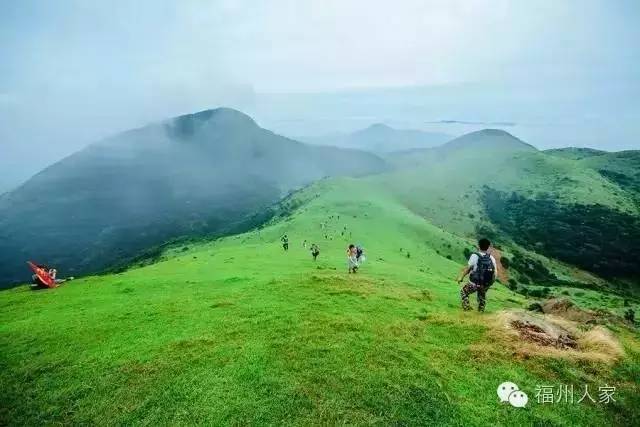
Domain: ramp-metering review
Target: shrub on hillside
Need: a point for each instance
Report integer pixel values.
(536, 306)
(505, 262)
(539, 292)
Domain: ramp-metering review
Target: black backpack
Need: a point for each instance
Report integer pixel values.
(484, 275)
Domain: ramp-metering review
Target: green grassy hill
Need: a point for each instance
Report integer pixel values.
(582, 212)
(199, 174)
(237, 331)
(575, 153)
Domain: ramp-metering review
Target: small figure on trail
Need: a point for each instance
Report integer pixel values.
(352, 258)
(315, 251)
(360, 254)
(484, 270)
(285, 242)
(304, 244)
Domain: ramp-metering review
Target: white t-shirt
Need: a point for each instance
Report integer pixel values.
(473, 263)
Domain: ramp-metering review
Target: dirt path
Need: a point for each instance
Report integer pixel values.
(503, 273)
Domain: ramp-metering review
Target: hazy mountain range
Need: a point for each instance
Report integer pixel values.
(217, 172)
(199, 174)
(380, 138)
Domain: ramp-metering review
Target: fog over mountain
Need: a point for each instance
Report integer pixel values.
(204, 174)
(563, 72)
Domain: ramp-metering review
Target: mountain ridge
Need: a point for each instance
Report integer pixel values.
(495, 136)
(194, 174)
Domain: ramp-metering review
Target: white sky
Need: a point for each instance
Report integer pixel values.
(74, 71)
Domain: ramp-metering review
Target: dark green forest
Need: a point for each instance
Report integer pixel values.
(594, 237)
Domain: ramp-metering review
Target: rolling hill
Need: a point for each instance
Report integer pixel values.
(489, 182)
(621, 168)
(237, 331)
(380, 138)
(210, 173)
(575, 153)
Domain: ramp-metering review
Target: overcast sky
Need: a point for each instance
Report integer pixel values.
(72, 72)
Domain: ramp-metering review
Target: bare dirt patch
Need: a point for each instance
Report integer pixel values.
(503, 273)
(545, 335)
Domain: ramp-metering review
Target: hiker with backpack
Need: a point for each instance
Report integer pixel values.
(352, 260)
(315, 251)
(285, 242)
(482, 270)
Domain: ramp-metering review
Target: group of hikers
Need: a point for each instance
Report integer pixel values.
(355, 253)
(481, 268)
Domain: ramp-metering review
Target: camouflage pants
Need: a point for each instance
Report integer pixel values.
(481, 293)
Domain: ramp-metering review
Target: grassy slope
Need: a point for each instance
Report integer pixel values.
(625, 166)
(575, 153)
(236, 331)
(425, 183)
(429, 187)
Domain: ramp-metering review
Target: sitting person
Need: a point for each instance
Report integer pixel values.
(36, 280)
(53, 273)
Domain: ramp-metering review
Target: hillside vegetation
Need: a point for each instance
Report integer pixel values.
(566, 209)
(238, 331)
(200, 174)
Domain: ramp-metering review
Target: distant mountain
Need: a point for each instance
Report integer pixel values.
(204, 173)
(380, 138)
(482, 144)
(496, 139)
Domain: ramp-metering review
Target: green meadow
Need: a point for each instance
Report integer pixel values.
(237, 331)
